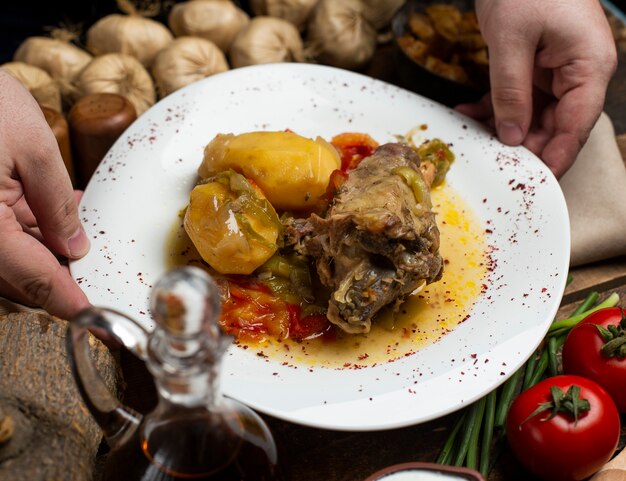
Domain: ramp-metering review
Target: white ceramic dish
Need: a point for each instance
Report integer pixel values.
(129, 207)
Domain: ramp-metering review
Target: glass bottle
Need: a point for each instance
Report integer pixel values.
(194, 432)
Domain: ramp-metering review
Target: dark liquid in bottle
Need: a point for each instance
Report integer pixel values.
(196, 448)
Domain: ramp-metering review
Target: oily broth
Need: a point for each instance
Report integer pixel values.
(422, 319)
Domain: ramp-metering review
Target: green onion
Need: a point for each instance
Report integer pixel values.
(587, 304)
(485, 448)
(530, 369)
(561, 327)
(469, 424)
(446, 452)
(506, 397)
(542, 365)
(472, 450)
(552, 361)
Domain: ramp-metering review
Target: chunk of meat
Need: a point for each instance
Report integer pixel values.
(377, 243)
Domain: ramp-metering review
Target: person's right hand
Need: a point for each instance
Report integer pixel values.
(550, 65)
(38, 209)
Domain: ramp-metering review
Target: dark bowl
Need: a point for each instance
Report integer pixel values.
(455, 473)
(416, 77)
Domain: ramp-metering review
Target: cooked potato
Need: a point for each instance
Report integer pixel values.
(292, 171)
(231, 224)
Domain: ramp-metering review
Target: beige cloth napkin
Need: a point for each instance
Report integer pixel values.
(595, 192)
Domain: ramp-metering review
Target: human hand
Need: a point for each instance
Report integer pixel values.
(550, 65)
(38, 209)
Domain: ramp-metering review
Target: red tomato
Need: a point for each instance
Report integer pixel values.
(582, 355)
(337, 179)
(561, 448)
(353, 147)
(308, 327)
(251, 313)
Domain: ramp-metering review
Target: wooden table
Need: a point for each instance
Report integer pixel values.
(309, 454)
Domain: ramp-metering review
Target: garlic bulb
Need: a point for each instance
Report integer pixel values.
(215, 20)
(38, 82)
(267, 40)
(184, 61)
(61, 59)
(119, 74)
(380, 12)
(294, 11)
(339, 35)
(131, 34)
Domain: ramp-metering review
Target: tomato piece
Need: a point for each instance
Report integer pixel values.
(582, 354)
(560, 448)
(307, 327)
(250, 312)
(337, 179)
(353, 148)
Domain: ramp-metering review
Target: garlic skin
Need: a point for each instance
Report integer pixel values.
(215, 20)
(339, 35)
(122, 74)
(294, 11)
(267, 40)
(184, 61)
(38, 82)
(62, 60)
(380, 12)
(133, 35)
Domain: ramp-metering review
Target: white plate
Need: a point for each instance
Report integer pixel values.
(130, 205)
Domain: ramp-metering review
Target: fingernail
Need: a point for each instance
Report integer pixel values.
(510, 133)
(78, 244)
